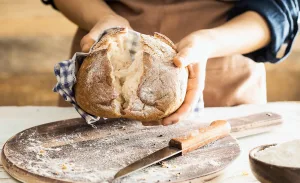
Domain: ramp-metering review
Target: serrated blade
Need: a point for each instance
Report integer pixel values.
(149, 160)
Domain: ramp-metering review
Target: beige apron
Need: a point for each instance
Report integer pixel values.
(230, 80)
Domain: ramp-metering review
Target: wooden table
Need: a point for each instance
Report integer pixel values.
(16, 119)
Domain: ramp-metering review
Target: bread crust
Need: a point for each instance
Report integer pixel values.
(156, 92)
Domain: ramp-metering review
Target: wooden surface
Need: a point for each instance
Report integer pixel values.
(239, 171)
(33, 37)
(73, 151)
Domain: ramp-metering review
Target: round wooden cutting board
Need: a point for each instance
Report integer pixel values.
(72, 151)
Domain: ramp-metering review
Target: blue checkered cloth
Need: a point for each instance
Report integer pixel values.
(65, 73)
(66, 70)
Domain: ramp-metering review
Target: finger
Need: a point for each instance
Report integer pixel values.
(172, 119)
(197, 74)
(197, 71)
(88, 40)
(151, 123)
(182, 58)
(86, 43)
(194, 92)
(184, 109)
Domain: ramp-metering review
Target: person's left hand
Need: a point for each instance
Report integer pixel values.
(106, 22)
(193, 52)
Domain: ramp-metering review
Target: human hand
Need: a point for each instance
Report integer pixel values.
(193, 52)
(194, 91)
(106, 22)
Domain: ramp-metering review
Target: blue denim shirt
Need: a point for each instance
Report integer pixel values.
(281, 16)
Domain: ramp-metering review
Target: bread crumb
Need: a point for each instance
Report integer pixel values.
(64, 167)
(164, 164)
(245, 173)
(42, 152)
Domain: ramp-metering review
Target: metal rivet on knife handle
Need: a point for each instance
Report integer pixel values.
(201, 137)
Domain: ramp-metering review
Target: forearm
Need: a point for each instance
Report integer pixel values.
(243, 34)
(84, 14)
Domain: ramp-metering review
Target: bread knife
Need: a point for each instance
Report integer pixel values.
(237, 127)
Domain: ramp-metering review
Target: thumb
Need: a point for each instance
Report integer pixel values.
(88, 40)
(86, 43)
(185, 57)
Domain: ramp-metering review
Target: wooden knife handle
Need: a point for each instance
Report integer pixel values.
(201, 137)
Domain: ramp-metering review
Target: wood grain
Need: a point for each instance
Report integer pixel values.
(31, 55)
(32, 39)
(201, 137)
(27, 89)
(88, 157)
(32, 18)
(72, 151)
(254, 124)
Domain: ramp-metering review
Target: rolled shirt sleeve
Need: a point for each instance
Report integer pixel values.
(282, 18)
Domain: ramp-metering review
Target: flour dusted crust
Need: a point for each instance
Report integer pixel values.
(143, 83)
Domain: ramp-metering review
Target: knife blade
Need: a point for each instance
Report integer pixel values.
(181, 145)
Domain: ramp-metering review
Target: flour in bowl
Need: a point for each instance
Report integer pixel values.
(285, 154)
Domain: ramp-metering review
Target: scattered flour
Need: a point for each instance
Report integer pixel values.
(85, 154)
(214, 163)
(285, 154)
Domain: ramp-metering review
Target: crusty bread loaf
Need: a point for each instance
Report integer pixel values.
(114, 81)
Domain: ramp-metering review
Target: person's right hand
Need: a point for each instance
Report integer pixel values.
(104, 23)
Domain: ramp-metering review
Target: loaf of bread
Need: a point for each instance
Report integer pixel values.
(117, 81)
